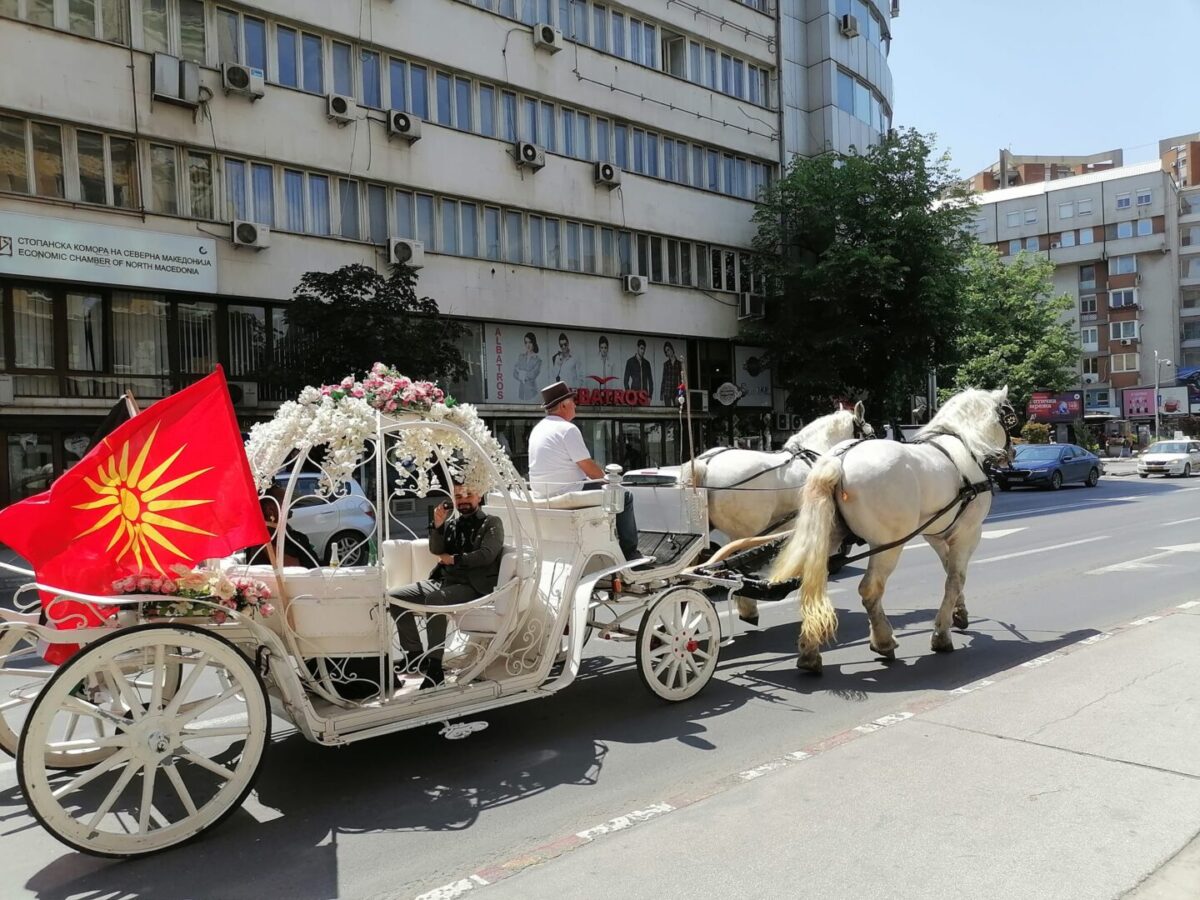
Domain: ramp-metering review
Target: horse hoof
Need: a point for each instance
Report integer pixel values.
(941, 644)
(811, 666)
(889, 654)
(749, 620)
(960, 619)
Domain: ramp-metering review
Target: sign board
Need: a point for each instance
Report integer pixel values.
(41, 247)
(606, 369)
(1173, 401)
(1138, 403)
(1189, 376)
(1047, 407)
(727, 393)
(753, 376)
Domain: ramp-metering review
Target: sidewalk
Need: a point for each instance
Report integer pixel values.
(1074, 776)
(1120, 466)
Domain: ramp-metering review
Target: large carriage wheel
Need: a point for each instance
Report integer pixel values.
(678, 643)
(21, 680)
(176, 765)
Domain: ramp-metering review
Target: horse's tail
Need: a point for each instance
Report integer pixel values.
(807, 551)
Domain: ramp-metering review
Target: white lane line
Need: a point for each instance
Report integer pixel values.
(883, 722)
(620, 823)
(1066, 507)
(1191, 604)
(1145, 620)
(1146, 562)
(990, 534)
(1050, 549)
(453, 889)
(973, 686)
(1179, 522)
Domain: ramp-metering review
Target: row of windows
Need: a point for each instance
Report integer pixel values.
(613, 31)
(856, 97)
(183, 182)
(1123, 298)
(1082, 236)
(1117, 331)
(870, 25)
(1081, 207)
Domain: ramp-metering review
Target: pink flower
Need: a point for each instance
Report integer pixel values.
(143, 585)
(169, 587)
(264, 591)
(266, 609)
(156, 585)
(220, 616)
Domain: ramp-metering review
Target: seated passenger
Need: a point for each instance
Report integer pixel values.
(559, 461)
(297, 548)
(468, 547)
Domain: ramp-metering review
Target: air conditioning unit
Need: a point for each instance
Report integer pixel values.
(547, 37)
(751, 306)
(402, 125)
(1126, 342)
(797, 422)
(404, 252)
(250, 234)
(243, 80)
(633, 284)
(608, 175)
(175, 80)
(698, 401)
(1090, 378)
(1137, 278)
(849, 25)
(1054, 245)
(340, 108)
(244, 393)
(529, 156)
(783, 422)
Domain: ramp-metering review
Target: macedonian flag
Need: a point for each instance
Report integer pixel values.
(169, 486)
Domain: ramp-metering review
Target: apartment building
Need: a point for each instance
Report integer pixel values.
(1181, 157)
(575, 178)
(1011, 170)
(1113, 238)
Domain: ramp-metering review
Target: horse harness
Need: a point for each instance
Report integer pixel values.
(967, 493)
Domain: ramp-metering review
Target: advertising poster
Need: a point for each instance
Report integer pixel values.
(1189, 377)
(608, 369)
(1138, 403)
(752, 376)
(1173, 401)
(1047, 407)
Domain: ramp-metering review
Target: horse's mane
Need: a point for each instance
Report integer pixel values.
(968, 414)
(821, 434)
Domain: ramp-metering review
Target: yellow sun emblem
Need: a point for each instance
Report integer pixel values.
(133, 503)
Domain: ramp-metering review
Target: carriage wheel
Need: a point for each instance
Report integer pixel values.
(678, 643)
(22, 675)
(175, 765)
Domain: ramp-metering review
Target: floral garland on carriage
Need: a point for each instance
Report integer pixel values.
(344, 418)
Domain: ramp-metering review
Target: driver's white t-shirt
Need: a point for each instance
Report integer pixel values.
(555, 448)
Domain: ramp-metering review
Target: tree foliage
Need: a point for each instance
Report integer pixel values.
(348, 319)
(1014, 331)
(864, 273)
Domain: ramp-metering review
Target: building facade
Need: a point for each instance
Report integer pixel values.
(1117, 240)
(164, 187)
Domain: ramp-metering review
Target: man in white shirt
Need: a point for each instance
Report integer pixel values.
(559, 461)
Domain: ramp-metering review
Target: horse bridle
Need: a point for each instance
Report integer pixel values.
(860, 430)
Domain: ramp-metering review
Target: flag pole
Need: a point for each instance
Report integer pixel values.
(131, 404)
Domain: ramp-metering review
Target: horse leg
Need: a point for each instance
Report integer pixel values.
(942, 549)
(747, 609)
(870, 589)
(957, 551)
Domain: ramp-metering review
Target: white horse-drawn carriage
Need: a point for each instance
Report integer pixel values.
(155, 729)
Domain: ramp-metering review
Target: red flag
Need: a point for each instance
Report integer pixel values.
(169, 486)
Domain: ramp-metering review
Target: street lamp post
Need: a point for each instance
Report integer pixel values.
(1158, 364)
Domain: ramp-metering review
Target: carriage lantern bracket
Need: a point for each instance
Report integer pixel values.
(614, 495)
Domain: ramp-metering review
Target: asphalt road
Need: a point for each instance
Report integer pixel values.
(402, 815)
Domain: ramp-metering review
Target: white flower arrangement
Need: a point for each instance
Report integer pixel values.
(345, 418)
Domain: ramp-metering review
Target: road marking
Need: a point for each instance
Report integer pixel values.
(1180, 521)
(1145, 620)
(1146, 562)
(988, 535)
(1191, 604)
(1017, 514)
(883, 722)
(1050, 549)
(620, 823)
(973, 686)
(1040, 661)
(454, 889)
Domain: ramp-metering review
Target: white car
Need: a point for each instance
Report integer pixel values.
(345, 520)
(1170, 458)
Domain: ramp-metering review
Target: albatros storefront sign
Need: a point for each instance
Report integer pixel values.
(40, 247)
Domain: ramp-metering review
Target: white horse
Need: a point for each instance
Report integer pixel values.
(886, 493)
(751, 490)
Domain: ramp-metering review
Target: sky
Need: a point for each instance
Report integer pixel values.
(1047, 77)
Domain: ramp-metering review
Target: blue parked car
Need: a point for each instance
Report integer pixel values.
(1051, 466)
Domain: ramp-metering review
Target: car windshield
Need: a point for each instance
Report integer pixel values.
(1168, 447)
(1030, 452)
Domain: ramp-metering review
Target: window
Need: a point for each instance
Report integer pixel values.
(418, 94)
(1145, 227)
(618, 34)
(573, 253)
(318, 205)
(1087, 278)
(1091, 366)
(377, 213)
(293, 200)
(14, 159)
(470, 229)
(47, 160)
(508, 115)
(33, 328)
(424, 207)
(587, 243)
(444, 114)
(1031, 217)
(343, 69)
(603, 142)
(514, 238)
(402, 206)
(1067, 239)
(487, 110)
(1191, 331)
(1124, 229)
(262, 178)
(348, 219)
(449, 242)
(313, 64)
(200, 185)
(372, 92)
(1086, 236)
(154, 24)
(1122, 298)
(491, 231)
(608, 251)
(1122, 331)
(621, 144)
(255, 31)
(85, 332)
(1066, 210)
(546, 127)
(1125, 362)
(164, 193)
(1087, 304)
(1144, 196)
(1089, 337)
(1124, 201)
(529, 119)
(674, 54)
(553, 244)
(90, 152)
(1190, 268)
(600, 28)
(1013, 220)
(537, 244)
(398, 84)
(1032, 243)
(287, 52)
(1014, 247)
(583, 135)
(1122, 265)
(1084, 207)
(106, 19)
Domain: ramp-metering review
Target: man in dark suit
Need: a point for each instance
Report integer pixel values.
(468, 547)
(637, 371)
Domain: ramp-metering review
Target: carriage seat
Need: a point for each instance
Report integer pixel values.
(407, 561)
(569, 500)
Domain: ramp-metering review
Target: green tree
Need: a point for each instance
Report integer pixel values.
(346, 320)
(1014, 332)
(864, 273)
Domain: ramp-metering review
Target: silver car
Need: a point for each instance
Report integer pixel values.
(1170, 458)
(345, 521)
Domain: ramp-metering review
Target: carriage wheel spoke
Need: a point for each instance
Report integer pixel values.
(189, 711)
(661, 667)
(700, 655)
(128, 695)
(205, 763)
(147, 803)
(181, 790)
(198, 668)
(117, 759)
(231, 731)
(158, 677)
(691, 664)
(72, 724)
(116, 740)
(660, 651)
(114, 795)
(77, 706)
(13, 704)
